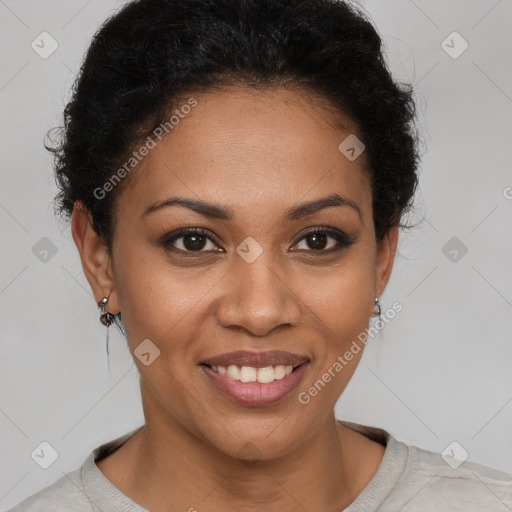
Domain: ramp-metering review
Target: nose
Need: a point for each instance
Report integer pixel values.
(258, 298)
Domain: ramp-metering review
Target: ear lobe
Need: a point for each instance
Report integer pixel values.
(385, 258)
(95, 258)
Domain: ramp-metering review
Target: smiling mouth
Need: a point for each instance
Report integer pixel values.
(263, 375)
(251, 386)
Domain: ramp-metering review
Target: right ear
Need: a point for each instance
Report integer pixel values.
(95, 257)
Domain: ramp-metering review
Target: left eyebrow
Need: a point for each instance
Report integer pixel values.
(310, 207)
(219, 212)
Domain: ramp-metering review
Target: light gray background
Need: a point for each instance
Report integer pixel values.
(439, 372)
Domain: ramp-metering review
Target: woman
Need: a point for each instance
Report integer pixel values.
(236, 172)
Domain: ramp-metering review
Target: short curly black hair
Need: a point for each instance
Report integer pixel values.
(151, 53)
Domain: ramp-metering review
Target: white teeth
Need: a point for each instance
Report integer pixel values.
(266, 375)
(233, 372)
(279, 372)
(248, 374)
(251, 374)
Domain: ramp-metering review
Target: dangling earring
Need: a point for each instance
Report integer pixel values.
(376, 307)
(106, 318)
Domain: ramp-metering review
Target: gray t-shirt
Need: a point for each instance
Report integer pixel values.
(409, 479)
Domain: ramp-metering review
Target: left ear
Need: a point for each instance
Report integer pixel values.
(385, 258)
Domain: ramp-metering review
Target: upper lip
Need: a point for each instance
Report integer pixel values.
(257, 359)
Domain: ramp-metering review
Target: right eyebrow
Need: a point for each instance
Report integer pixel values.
(201, 207)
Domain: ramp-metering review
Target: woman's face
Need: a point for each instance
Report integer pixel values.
(256, 281)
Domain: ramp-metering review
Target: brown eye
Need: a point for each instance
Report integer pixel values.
(189, 240)
(324, 240)
(317, 241)
(194, 242)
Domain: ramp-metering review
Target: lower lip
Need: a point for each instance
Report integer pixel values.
(255, 393)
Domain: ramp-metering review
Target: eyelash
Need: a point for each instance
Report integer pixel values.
(342, 240)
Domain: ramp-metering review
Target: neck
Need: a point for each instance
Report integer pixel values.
(185, 473)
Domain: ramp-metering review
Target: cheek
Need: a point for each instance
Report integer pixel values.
(343, 299)
(158, 305)
(342, 307)
(160, 301)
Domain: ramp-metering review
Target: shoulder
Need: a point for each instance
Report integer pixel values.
(413, 479)
(82, 490)
(66, 494)
(438, 483)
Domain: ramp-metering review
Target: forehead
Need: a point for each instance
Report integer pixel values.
(242, 147)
